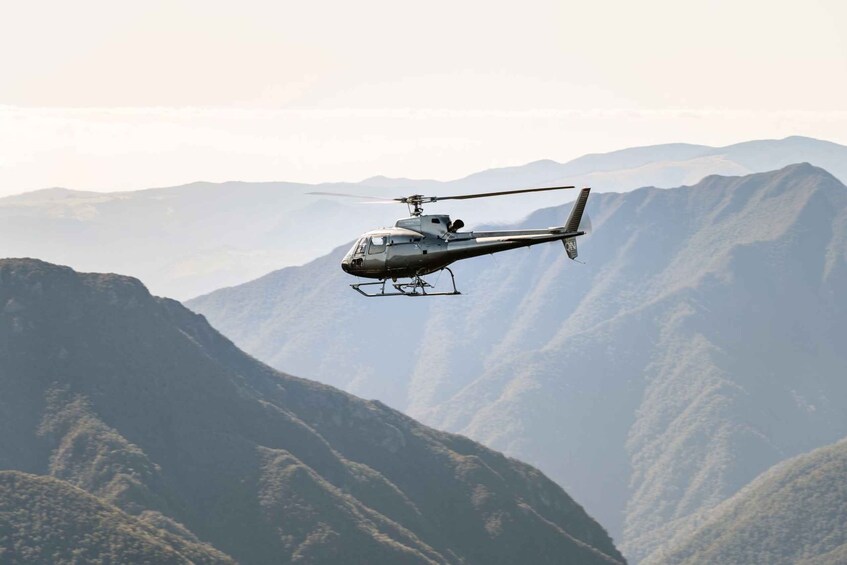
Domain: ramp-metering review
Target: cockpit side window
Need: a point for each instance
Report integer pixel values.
(377, 244)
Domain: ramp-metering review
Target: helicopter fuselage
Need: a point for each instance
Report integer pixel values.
(424, 244)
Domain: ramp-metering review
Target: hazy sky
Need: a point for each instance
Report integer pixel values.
(116, 95)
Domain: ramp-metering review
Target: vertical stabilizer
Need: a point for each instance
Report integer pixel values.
(576, 212)
(572, 226)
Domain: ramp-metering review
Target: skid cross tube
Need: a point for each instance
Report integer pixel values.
(416, 287)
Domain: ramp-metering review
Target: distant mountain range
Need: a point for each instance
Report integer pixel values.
(191, 451)
(187, 240)
(794, 514)
(700, 344)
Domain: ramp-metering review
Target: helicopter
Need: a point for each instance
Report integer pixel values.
(424, 244)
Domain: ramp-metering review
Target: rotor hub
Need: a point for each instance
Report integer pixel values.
(415, 203)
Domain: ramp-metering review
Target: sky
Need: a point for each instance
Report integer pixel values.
(104, 95)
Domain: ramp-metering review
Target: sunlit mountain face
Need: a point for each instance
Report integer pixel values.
(699, 344)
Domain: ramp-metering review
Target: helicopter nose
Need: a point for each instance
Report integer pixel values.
(345, 265)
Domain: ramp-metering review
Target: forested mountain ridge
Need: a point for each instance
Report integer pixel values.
(794, 513)
(141, 403)
(698, 346)
(45, 520)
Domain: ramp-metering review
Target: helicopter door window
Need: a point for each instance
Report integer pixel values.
(377, 245)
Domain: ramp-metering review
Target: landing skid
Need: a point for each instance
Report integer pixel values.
(416, 287)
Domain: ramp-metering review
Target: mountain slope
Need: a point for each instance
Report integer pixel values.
(187, 240)
(697, 347)
(45, 520)
(140, 402)
(794, 513)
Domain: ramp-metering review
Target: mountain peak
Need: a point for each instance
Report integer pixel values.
(32, 279)
(47, 195)
(802, 170)
(400, 183)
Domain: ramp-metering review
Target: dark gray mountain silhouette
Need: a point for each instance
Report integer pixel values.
(141, 403)
(700, 344)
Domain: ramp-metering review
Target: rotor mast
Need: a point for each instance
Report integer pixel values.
(415, 203)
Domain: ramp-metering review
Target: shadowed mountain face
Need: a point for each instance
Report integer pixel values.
(187, 240)
(45, 520)
(793, 514)
(142, 404)
(700, 344)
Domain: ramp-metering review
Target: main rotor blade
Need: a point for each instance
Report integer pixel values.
(375, 199)
(500, 193)
(417, 200)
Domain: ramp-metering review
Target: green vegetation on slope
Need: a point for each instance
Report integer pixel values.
(793, 513)
(45, 520)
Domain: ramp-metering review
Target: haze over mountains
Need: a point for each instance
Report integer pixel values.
(194, 451)
(187, 240)
(701, 344)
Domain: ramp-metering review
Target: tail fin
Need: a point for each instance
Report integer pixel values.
(577, 210)
(573, 222)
